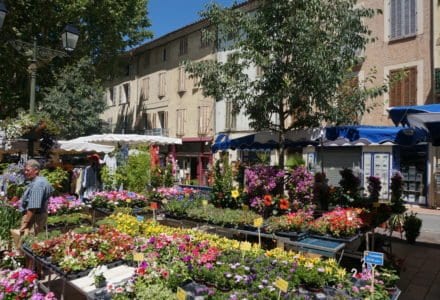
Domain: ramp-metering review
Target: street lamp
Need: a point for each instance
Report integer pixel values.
(37, 53)
(3, 12)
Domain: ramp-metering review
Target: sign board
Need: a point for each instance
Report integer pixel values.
(205, 202)
(258, 222)
(153, 205)
(281, 284)
(138, 256)
(373, 258)
(140, 218)
(181, 294)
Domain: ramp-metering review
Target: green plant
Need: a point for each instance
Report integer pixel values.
(99, 280)
(157, 291)
(223, 185)
(9, 219)
(56, 177)
(295, 160)
(136, 173)
(388, 276)
(395, 222)
(412, 225)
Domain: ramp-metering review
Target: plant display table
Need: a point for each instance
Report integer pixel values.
(115, 275)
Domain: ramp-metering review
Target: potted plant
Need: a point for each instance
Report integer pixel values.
(98, 278)
(412, 225)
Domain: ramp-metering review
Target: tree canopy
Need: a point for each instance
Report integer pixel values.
(305, 51)
(76, 90)
(107, 28)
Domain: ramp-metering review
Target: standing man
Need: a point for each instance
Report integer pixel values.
(34, 200)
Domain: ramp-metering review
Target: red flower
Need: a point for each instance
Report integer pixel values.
(267, 200)
(284, 204)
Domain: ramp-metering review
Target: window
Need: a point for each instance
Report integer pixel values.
(196, 82)
(162, 85)
(180, 126)
(403, 18)
(110, 96)
(204, 117)
(146, 59)
(404, 91)
(145, 89)
(437, 80)
(181, 86)
(125, 93)
(205, 40)
(163, 119)
(150, 121)
(231, 118)
(164, 54)
(183, 48)
(258, 71)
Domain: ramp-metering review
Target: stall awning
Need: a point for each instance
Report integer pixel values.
(364, 135)
(425, 117)
(266, 140)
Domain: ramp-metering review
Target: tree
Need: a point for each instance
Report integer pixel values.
(107, 28)
(75, 101)
(305, 50)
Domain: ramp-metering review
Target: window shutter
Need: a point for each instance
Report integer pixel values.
(149, 121)
(412, 86)
(182, 79)
(154, 120)
(165, 120)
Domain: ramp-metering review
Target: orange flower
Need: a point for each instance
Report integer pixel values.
(267, 200)
(284, 204)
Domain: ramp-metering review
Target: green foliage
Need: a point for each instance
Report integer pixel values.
(136, 172)
(223, 185)
(412, 225)
(55, 177)
(105, 32)
(305, 50)
(9, 219)
(295, 160)
(75, 101)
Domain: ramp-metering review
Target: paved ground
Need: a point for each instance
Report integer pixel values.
(420, 276)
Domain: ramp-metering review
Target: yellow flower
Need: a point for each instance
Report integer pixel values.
(235, 194)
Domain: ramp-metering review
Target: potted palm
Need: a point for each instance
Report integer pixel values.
(412, 225)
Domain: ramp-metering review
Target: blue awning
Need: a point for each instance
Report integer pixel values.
(399, 114)
(377, 134)
(266, 140)
(425, 117)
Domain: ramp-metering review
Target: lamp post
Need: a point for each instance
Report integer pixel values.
(37, 54)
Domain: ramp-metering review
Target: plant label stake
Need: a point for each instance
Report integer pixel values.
(205, 204)
(373, 259)
(258, 222)
(138, 257)
(282, 285)
(181, 294)
(153, 206)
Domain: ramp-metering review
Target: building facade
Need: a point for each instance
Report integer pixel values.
(155, 96)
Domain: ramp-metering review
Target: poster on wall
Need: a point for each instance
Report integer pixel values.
(381, 163)
(367, 158)
(378, 165)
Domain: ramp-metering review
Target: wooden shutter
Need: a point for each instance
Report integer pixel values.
(404, 92)
(165, 119)
(182, 80)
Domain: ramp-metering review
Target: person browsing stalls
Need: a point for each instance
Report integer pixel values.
(34, 200)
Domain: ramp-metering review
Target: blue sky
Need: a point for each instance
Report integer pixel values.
(169, 15)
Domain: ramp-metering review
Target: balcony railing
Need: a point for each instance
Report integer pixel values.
(157, 131)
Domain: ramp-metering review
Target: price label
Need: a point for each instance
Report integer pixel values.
(245, 246)
(153, 205)
(181, 294)
(140, 218)
(258, 222)
(281, 284)
(205, 202)
(138, 256)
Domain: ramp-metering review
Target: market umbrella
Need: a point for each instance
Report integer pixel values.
(78, 146)
(113, 139)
